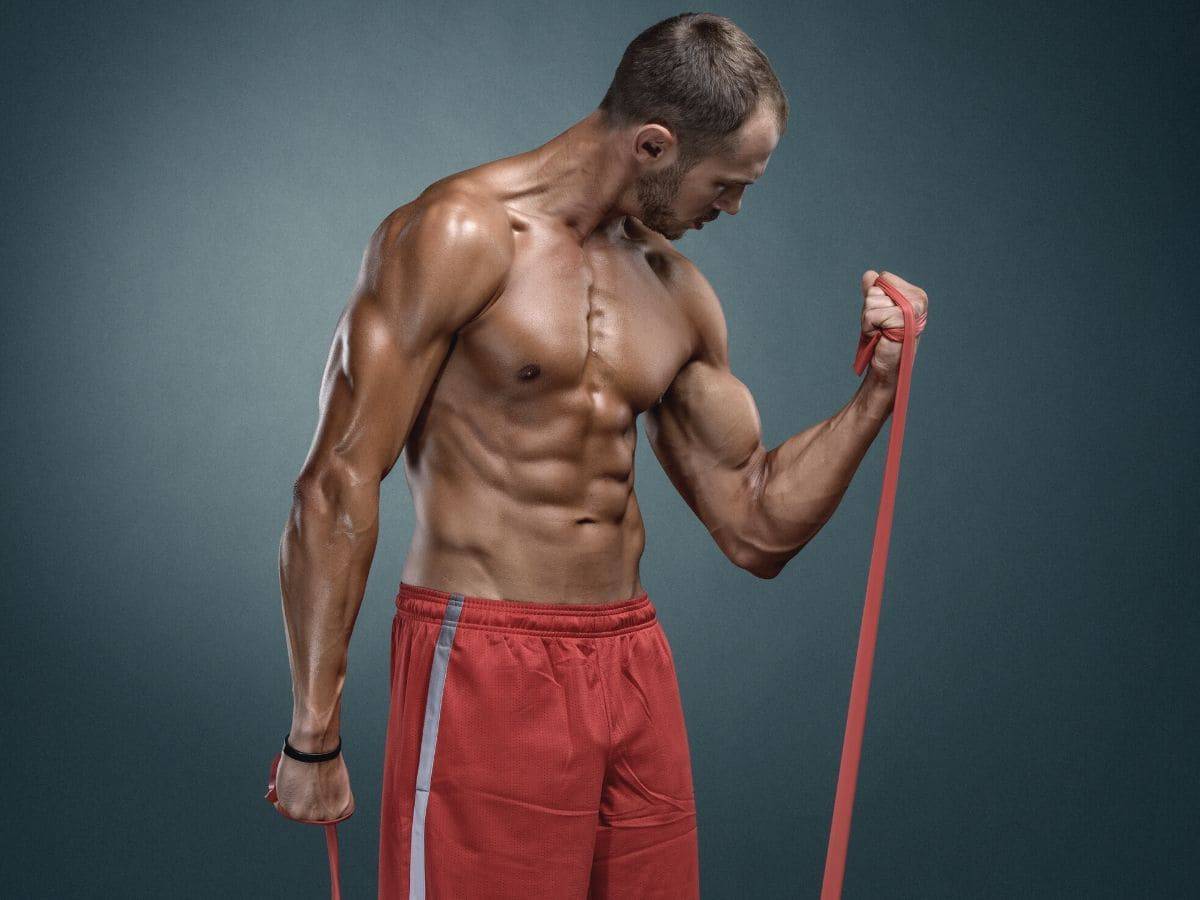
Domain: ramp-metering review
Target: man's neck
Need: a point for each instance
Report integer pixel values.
(581, 177)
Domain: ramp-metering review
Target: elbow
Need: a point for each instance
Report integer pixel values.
(315, 491)
(758, 562)
(765, 569)
(760, 552)
(757, 547)
(767, 572)
(761, 546)
(332, 493)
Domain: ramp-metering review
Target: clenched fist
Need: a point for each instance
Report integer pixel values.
(879, 313)
(314, 793)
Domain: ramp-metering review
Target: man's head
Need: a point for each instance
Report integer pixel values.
(702, 111)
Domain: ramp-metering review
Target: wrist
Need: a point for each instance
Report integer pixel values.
(877, 395)
(313, 738)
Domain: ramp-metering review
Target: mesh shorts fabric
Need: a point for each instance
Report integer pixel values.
(534, 751)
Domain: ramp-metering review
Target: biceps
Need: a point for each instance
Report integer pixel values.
(707, 434)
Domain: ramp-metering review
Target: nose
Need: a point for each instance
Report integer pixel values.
(730, 200)
(729, 205)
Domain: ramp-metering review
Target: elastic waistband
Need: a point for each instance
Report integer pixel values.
(593, 619)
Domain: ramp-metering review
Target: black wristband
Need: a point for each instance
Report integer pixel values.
(300, 755)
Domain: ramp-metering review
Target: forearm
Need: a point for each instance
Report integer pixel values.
(807, 475)
(324, 559)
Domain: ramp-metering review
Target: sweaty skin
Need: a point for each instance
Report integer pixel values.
(507, 328)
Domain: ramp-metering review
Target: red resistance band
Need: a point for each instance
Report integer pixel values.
(839, 835)
(331, 838)
(843, 804)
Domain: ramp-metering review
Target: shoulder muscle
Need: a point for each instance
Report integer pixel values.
(703, 308)
(435, 266)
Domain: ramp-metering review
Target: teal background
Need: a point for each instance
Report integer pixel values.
(187, 191)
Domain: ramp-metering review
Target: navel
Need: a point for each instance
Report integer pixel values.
(533, 370)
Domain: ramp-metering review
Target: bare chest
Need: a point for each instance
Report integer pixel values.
(594, 320)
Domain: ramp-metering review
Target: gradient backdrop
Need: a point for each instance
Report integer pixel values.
(187, 190)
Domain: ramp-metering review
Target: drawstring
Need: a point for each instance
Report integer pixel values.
(839, 833)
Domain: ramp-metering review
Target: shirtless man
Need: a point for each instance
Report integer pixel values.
(507, 328)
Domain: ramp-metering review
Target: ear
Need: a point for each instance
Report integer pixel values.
(654, 145)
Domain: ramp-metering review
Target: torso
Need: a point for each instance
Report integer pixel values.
(521, 461)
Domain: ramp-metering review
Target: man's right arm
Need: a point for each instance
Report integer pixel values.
(421, 280)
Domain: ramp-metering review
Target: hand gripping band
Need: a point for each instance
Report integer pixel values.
(330, 825)
(839, 832)
(866, 345)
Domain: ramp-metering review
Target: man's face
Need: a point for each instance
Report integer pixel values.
(674, 201)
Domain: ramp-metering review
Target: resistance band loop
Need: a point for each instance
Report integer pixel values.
(839, 832)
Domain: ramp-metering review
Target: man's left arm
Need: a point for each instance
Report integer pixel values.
(761, 506)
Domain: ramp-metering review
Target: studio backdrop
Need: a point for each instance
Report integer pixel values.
(187, 193)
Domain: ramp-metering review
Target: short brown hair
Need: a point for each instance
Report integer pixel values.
(697, 74)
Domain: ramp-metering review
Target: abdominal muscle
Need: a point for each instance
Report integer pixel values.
(530, 499)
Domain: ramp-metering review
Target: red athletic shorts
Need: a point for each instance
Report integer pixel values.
(534, 752)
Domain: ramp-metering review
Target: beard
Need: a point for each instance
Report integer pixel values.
(656, 192)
